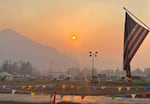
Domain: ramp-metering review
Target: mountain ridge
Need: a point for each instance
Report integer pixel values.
(16, 46)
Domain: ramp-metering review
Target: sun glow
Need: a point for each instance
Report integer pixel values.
(74, 37)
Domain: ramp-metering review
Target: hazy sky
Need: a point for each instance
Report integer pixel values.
(98, 24)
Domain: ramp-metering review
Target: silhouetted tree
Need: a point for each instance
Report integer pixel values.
(20, 67)
(26, 68)
(5, 66)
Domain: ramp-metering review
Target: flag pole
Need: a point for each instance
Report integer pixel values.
(136, 18)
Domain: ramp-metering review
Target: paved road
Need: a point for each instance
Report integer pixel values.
(45, 99)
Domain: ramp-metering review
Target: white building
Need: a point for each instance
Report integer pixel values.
(4, 76)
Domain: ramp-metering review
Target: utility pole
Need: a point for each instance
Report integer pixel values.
(93, 55)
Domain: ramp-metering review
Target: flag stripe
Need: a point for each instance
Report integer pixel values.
(137, 37)
(127, 42)
(137, 45)
(134, 35)
(131, 35)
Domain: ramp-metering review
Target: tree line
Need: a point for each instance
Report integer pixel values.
(18, 67)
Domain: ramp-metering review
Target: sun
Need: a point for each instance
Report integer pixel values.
(74, 37)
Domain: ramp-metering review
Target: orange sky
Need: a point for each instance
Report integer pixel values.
(99, 25)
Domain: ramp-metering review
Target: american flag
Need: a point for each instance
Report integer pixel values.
(133, 38)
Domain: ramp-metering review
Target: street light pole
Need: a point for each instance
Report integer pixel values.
(93, 55)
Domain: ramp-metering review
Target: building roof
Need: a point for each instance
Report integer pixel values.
(2, 74)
